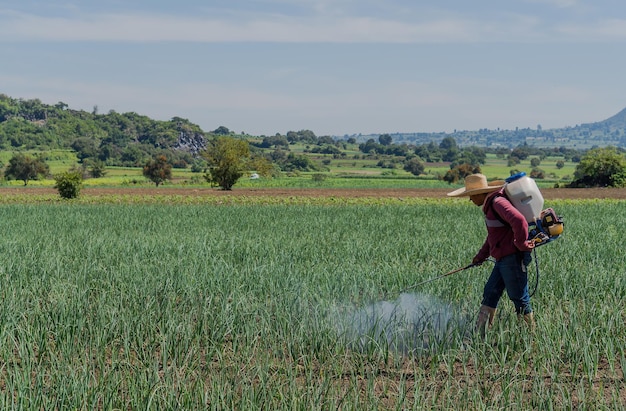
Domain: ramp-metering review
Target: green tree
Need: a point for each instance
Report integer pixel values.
(600, 167)
(198, 166)
(458, 173)
(522, 152)
(85, 147)
(429, 152)
(512, 161)
(262, 166)
(560, 164)
(69, 183)
(24, 167)
(414, 166)
(448, 143)
(275, 141)
(537, 173)
(158, 170)
(370, 146)
(227, 158)
(385, 139)
(221, 131)
(471, 155)
(449, 149)
(96, 167)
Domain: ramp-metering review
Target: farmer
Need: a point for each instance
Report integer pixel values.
(507, 242)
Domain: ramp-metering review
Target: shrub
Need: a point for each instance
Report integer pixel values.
(600, 167)
(318, 177)
(158, 170)
(69, 184)
(459, 172)
(227, 159)
(537, 173)
(24, 167)
(414, 166)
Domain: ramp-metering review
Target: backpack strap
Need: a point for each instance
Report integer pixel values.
(489, 206)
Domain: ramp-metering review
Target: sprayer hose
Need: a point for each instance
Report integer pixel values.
(536, 272)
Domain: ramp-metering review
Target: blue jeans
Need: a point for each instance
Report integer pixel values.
(509, 273)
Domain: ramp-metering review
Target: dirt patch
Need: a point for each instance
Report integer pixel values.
(548, 193)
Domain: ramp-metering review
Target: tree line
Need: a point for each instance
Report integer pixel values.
(227, 159)
(129, 139)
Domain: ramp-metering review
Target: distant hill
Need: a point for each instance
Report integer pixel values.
(129, 139)
(615, 123)
(611, 131)
(126, 139)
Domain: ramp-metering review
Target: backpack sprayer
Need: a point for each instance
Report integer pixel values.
(544, 226)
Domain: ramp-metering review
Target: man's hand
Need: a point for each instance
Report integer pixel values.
(530, 244)
(477, 261)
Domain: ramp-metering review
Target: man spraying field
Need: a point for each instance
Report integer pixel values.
(507, 242)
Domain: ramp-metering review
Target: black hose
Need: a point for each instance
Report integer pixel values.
(536, 272)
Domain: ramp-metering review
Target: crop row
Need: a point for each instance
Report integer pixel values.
(247, 306)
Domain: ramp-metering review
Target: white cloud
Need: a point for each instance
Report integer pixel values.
(610, 29)
(289, 29)
(557, 3)
(265, 28)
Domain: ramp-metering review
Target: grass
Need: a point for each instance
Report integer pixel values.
(342, 173)
(178, 306)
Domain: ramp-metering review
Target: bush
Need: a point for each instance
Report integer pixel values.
(227, 159)
(69, 184)
(459, 172)
(414, 166)
(513, 161)
(158, 170)
(24, 167)
(318, 177)
(537, 173)
(601, 167)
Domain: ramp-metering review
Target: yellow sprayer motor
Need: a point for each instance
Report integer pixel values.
(548, 227)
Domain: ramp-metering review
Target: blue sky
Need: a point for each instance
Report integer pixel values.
(331, 66)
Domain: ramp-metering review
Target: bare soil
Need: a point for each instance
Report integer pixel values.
(548, 193)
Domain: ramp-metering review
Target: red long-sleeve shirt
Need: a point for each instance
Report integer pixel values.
(503, 239)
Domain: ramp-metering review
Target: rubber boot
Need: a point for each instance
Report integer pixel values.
(529, 319)
(485, 319)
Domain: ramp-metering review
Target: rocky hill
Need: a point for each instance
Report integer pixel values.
(126, 139)
(129, 139)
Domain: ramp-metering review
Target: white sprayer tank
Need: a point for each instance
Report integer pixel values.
(524, 194)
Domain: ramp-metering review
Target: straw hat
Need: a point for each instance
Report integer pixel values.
(476, 184)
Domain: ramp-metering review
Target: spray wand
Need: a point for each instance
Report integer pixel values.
(442, 276)
(439, 277)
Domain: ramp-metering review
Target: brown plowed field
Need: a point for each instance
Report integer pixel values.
(548, 193)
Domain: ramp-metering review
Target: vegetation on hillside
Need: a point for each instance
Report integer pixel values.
(127, 139)
(132, 140)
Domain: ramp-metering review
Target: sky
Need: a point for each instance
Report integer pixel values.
(335, 67)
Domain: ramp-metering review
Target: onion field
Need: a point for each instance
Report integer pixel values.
(301, 306)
